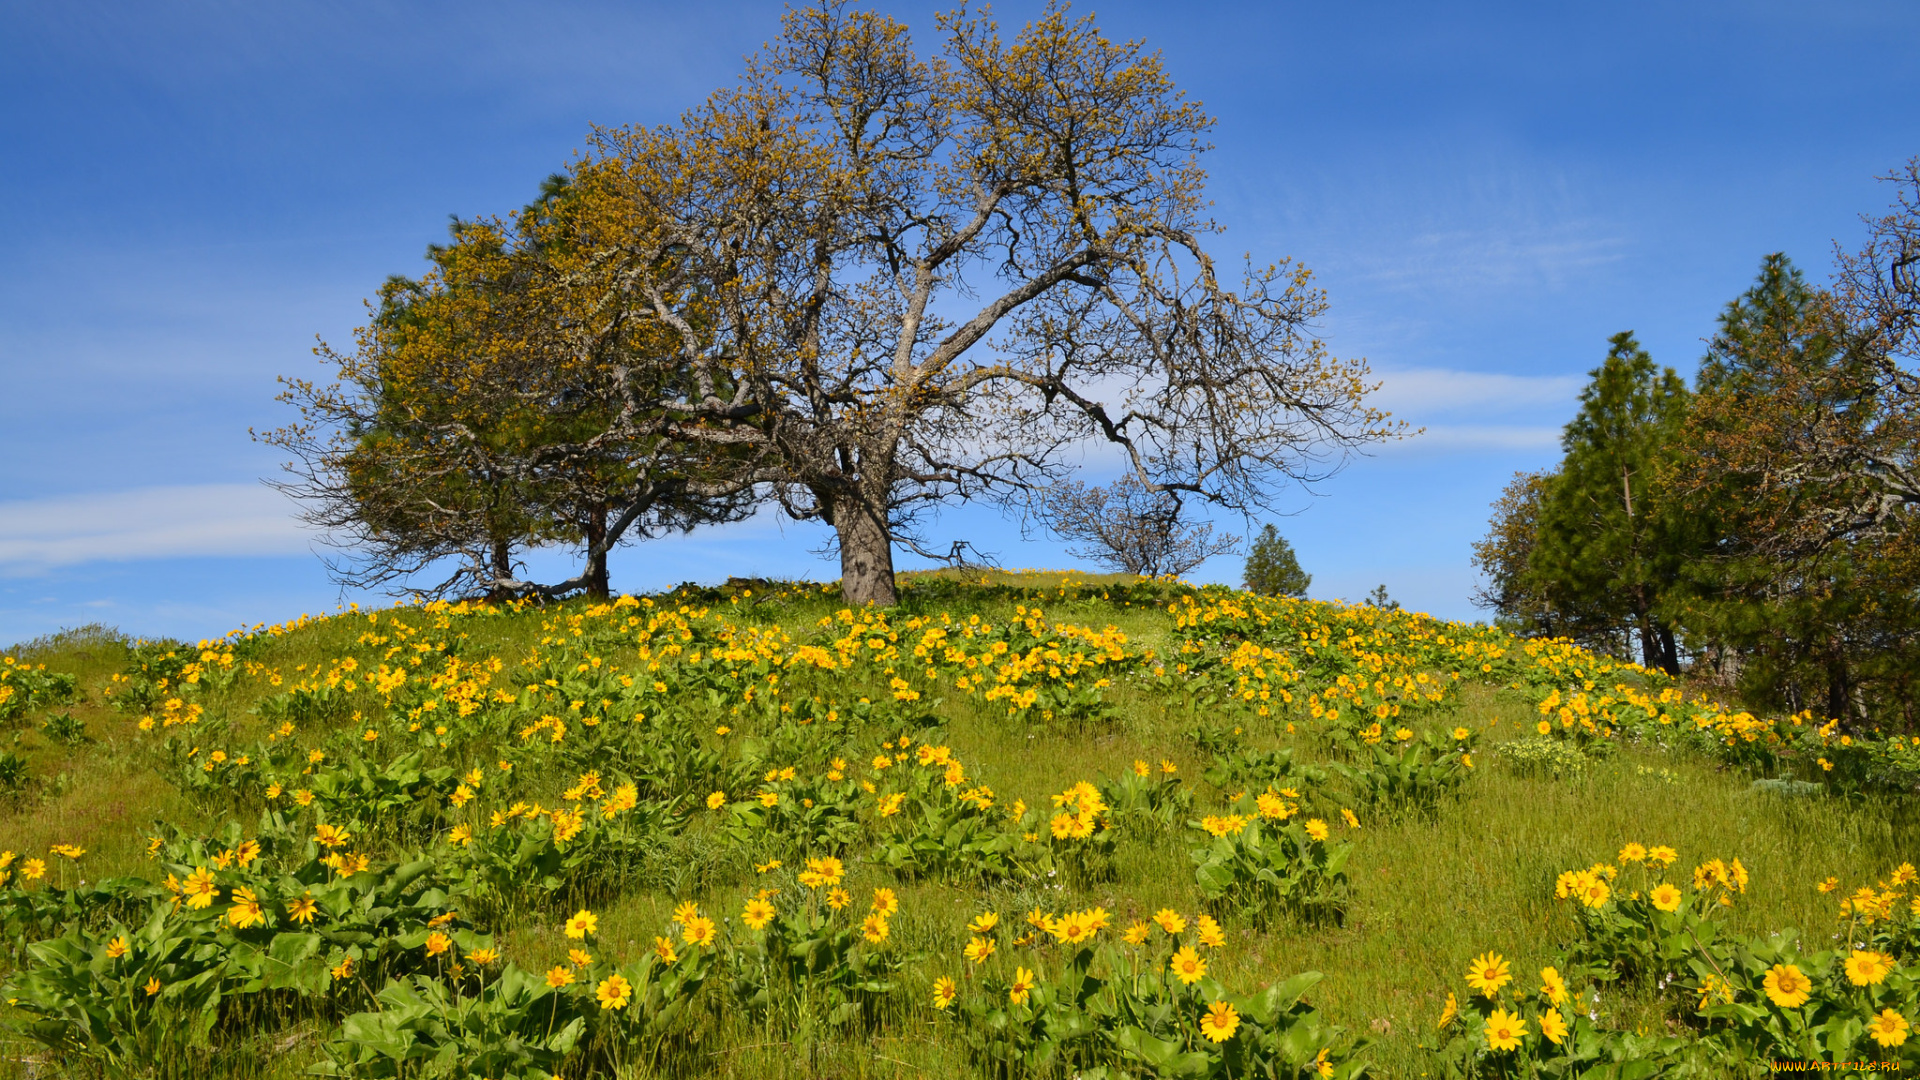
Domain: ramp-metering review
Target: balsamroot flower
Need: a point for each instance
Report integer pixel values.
(1488, 974)
(1220, 1022)
(1209, 931)
(1787, 986)
(1505, 1030)
(698, 931)
(1553, 1026)
(614, 992)
(246, 910)
(758, 914)
(1868, 968)
(1552, 986)
(1889, 1028)
(198, 888)
(1187, 966)
(1023, 984)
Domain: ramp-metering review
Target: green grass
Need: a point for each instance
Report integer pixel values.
(1429, 893)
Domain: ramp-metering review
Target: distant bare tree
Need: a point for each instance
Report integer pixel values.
(1129, 528)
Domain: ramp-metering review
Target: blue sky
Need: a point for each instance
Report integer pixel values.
(191, 193)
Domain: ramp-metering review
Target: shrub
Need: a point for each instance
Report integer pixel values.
(1545, 757)
(1261, 865)
(1407, 774)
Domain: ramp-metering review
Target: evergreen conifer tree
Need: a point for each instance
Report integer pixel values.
(1273, 569)
(1611, 538)
(1804, 618)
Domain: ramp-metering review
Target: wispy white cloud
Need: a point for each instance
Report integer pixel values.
(147, 523)
(1476, 411)
(1486, 258)
(1459, 410)
(1452, 208)
(1418, 392)
(1465, 438)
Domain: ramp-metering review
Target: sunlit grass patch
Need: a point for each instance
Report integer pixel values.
(1033, 773)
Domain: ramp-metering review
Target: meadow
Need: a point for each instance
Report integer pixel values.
(1022, 825)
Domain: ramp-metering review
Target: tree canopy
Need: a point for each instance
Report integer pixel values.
(459, 430)
(1272, 569)
(930, 275)
(919, 279)
(1522, 599)
(1808, 584)
(1125, 527)
(864, 281)
(1608, 533)
(1762, 523)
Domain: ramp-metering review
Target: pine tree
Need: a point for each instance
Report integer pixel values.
(1612, 541)
(1272, 568)
(1378, 598)
(1810, 616)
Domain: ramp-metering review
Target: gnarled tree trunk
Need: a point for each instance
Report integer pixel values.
(502, 569)
(866, 553)
(597, 584)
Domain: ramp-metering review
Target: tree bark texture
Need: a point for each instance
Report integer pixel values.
(866, 554)
(597, 584)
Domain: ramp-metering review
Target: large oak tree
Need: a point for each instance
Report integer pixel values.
(863, 282)
(894, 280)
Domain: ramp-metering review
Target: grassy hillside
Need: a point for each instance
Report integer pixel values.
(356, 844)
